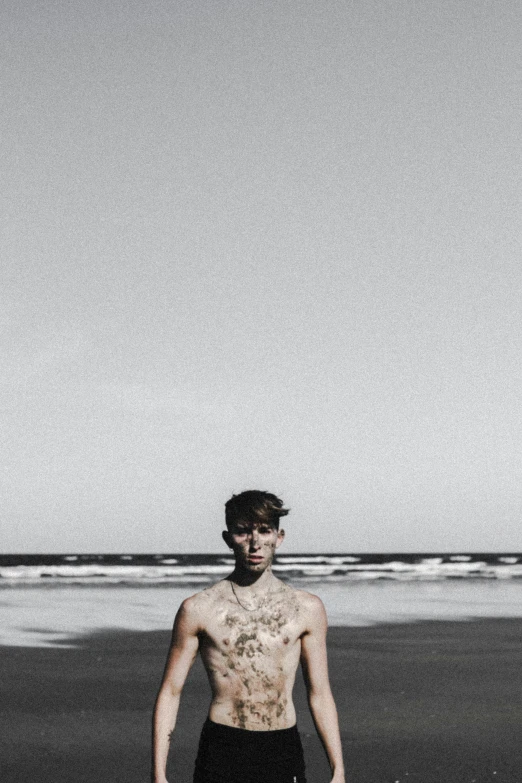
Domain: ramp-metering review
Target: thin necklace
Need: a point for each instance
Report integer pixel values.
(256, 608)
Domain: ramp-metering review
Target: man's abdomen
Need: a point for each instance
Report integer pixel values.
(271, 711)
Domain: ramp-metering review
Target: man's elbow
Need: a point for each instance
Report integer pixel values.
(320, 699)
(169, 692)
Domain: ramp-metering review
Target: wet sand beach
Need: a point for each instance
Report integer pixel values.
(427, 702)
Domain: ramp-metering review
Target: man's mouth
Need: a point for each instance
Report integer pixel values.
(255, 558)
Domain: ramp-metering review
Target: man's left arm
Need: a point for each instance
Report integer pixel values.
(315, 669)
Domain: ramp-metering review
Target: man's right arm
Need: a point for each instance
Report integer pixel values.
(183, 651)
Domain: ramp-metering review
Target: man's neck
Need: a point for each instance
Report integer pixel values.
(245, 578)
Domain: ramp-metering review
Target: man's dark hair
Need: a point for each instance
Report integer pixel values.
(254, 506)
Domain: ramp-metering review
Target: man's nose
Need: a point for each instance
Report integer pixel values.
(254, 538)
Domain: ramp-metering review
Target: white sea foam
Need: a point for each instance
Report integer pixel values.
(170, 570)
(334, 560)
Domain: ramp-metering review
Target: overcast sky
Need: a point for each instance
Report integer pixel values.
(261, 244)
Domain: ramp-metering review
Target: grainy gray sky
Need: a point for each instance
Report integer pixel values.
(264, 245)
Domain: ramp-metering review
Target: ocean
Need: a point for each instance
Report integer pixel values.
(199, 569)
(51, 600)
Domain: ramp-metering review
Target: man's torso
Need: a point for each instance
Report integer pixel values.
(251, 657)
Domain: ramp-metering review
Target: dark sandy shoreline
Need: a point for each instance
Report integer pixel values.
(430, 702)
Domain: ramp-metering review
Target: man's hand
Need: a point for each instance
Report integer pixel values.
(155, 779)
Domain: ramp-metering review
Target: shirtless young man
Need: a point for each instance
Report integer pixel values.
(251, 630)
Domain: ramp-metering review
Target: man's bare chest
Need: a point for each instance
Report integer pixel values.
(245, 635)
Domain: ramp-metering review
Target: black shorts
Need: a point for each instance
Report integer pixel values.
(230, 755)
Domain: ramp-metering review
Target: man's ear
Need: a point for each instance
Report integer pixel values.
(280, 538)
(227, 538)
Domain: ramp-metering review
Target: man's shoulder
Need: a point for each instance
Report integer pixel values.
(203, 601)
(307, 602)
(310, 601)
(312, 613)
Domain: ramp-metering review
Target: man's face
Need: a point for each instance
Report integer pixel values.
(254, 544)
